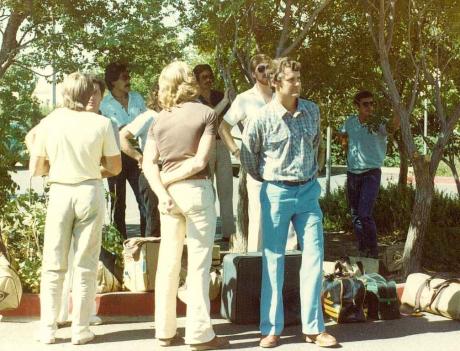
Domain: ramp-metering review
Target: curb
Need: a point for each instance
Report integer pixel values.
(120, 304)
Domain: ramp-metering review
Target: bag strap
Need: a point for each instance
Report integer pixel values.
(3, 250)
(438, 291)
(426, 284)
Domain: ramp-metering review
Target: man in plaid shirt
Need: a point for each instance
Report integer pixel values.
(280, 148)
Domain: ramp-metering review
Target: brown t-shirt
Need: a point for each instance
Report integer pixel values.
(177, 133)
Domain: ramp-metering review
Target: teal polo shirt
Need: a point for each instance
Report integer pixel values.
(366, 149)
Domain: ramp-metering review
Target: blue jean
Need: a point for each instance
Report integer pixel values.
(362, 190)
(280, 205)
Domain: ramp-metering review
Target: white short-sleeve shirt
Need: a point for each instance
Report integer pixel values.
(139, 128)
(244, 106)
(74, 143)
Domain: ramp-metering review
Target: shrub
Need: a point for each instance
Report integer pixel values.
(22, 226)
(392, 213)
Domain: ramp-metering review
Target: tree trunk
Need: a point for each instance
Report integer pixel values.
(403, 164)
(239, 240)
(420, 218)
(451, 163)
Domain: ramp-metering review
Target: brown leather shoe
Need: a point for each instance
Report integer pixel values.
(323, 339)
(269, 341)
(174, 341)
(216, 343)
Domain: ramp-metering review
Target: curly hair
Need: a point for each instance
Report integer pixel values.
(277, 67)
(177, 85)
(77, 89)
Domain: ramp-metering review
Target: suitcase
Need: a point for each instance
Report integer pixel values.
(241, 284)
(381, 298)
(423, 293)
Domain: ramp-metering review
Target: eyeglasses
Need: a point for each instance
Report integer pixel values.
(261, 68)
(367, 103)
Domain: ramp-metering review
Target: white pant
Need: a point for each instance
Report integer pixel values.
(78, 211)
(63, 315)
(194, 215)
(255, 228)
(220, 165)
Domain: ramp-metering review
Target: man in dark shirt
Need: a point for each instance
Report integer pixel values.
(219, 163)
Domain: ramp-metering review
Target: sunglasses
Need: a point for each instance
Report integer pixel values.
(367, 103)
(261, 68)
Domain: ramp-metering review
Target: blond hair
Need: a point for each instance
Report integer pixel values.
(177, 84)
(77, 89)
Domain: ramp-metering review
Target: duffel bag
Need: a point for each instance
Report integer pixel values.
(381, 299)
(343, 299)
(10, 285)
(424, 293)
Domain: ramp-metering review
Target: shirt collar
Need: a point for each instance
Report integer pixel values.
(281, 111)
(254, 90)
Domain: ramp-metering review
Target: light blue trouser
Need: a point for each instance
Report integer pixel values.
(280, 205)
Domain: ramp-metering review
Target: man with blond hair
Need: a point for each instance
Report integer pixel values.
(243, 108)
(280, 149)
(183, 135)
(76, 148)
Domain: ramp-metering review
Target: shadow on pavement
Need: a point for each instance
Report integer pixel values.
(125, 335)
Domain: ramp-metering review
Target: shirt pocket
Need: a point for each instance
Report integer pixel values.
(277, 142)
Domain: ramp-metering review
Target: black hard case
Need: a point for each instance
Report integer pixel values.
(241, 284)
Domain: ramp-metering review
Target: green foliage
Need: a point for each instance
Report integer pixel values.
(392, 214)
(18, 112)
(22, 226)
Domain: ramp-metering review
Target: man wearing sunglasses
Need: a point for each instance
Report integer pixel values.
(122, 106)
(366, 149)
(244, 107)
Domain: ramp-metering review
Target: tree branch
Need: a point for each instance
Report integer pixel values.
(286, 26)
(306, 28)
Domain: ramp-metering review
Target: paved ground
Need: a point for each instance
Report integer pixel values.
(428, 333)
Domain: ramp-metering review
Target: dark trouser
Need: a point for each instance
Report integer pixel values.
(117, 186)
(362, 192)
(152, 215)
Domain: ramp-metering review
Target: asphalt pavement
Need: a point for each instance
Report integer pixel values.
(427, 333)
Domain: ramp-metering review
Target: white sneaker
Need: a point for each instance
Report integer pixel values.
(46, 336)
(95, 320)
(83, 337)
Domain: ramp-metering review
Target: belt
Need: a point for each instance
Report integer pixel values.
(292, 182)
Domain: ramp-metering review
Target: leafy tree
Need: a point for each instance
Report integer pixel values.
(72, 35)
(433, 45)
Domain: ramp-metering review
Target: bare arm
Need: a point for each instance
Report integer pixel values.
(110, 166)
(220, 107)
(395, 123)
(39, 166)
(127, 148)
(152, 174)
(192, 165)
(226, 135)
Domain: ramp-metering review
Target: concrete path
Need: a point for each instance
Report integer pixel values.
(427, 333)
